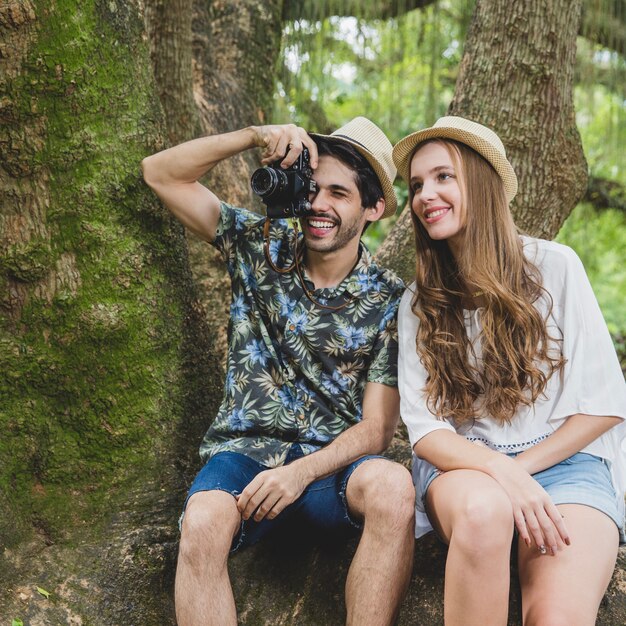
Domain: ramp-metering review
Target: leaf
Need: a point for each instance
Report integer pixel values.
(43, 592)
(17, 622)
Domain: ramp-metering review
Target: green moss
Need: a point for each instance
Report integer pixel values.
(27, 261)
(93, 381)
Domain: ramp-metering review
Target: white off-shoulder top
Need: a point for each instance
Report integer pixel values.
(592, 382)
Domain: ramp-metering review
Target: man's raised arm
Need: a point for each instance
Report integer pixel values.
(173, 174)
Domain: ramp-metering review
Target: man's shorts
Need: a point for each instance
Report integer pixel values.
(321, 508)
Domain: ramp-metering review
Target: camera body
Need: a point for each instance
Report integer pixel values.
(285, 192)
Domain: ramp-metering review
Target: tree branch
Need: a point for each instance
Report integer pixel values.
(605, 194)
(608, 30)
(377, 9)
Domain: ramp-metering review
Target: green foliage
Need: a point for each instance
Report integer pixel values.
(600, 101)
(600, 241)
(400, 73)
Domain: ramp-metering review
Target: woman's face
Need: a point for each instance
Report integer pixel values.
(437, 200)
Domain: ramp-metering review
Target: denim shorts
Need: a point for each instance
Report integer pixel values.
(322, 508)
(580, 479)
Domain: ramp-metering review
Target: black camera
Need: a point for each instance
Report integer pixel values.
(285, 192)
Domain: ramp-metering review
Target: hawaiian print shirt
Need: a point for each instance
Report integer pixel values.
(296, 372)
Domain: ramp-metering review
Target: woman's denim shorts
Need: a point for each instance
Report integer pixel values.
(581, 479)
(321, 509)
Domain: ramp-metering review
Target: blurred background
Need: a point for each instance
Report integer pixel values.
(401, 73)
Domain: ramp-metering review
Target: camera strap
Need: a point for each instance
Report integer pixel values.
(307, 292)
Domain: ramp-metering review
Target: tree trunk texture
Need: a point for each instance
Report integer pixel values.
(106, 374)
(215, 62)
(169, 27)
(516, 77)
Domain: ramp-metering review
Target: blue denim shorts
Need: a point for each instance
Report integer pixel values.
(580, 479)
(322, 508)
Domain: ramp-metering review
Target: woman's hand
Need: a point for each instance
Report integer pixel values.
(536, 517)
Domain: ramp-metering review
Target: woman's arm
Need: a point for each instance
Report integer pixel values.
(572, 436)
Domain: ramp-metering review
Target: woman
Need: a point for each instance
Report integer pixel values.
(502, 344)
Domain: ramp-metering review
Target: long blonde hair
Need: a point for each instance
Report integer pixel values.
(515, 343)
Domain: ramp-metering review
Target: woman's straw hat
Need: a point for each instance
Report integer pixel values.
(372, 144)
(472, 134)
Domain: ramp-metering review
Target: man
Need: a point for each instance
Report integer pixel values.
(310, 396)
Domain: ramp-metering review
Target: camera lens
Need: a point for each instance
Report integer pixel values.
(266, 181)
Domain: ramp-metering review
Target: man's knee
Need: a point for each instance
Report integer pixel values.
(210, 522)
(383, 490)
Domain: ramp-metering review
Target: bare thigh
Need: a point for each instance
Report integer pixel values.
(568, 588)
(470, 498)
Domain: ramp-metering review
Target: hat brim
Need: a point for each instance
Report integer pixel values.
(404, 149)
(391, 203)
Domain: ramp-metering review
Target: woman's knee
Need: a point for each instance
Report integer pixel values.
(483, 522)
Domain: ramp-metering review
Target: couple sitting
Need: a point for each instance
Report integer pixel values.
(500, 343)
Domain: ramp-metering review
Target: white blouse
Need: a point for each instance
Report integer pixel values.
(592, 382)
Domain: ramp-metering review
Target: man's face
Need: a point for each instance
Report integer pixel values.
(337, 215)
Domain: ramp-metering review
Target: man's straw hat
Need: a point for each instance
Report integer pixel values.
(372, 144)
(472, 134)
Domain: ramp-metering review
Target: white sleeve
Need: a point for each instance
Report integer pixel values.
(412, 376)
(592, 381)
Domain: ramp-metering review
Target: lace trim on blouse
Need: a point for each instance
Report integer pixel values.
(510, 447)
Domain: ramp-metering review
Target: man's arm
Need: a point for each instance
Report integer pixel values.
(173, 174)
(273, 490)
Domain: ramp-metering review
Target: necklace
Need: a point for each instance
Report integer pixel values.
(307, 292)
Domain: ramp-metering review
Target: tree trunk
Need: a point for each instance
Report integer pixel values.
(106, 377)
(516, 77)
(215, 61)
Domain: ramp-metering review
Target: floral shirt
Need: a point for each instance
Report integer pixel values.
(296, 372)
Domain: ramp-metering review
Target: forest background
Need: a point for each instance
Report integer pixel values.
(113, 321)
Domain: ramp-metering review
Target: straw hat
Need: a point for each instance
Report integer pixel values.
(472, 134)
(372, 144)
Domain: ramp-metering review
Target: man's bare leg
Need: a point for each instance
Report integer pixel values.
(381, 493)
(203, 593)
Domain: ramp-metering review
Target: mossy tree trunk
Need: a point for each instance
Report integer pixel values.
(516, 76)
(106, 375)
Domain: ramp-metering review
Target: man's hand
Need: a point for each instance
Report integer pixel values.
(284, 142)
(271, 492)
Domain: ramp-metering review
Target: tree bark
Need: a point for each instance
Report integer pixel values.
(516, 77)
(169, 26)
(215, 62)
(106, 374)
